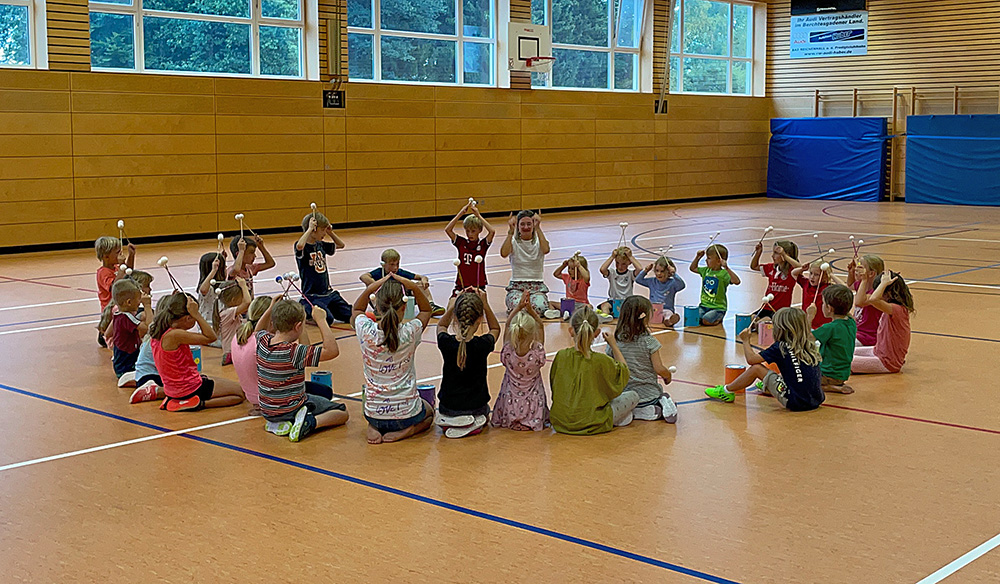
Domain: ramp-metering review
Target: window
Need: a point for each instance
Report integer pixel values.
(237, 37)
(17, 22)
(422, 41)
(595, 43)
(711, 47)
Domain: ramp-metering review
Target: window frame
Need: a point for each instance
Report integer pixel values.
(37, 39)
(459, 38)
(611, 49)
(752, 43)
(308, 69)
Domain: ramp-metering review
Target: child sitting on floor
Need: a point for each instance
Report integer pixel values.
(310, 256)
(185, 388)
(621, 282)
(779, 273)
(577, 282)
(798, 386)
(663, 287)
(588, 394)
(642, 355)
(892, 298)
(715, 278)
(390, 265)
(236, 298)
(521, 404)
(281, 372)
(129, 328)
(470, 272)
(836, 337)
(211, 266)
(868, 317)
(464, 396)
(245, 252)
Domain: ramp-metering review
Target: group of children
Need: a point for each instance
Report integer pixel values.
(592, 392)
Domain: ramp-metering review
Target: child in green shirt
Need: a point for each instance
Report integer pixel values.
(715, 278)
(837, 338)
(588, 394)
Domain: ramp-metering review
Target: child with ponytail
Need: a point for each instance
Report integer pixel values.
(464, 397)
(798, 386)
(185, 388)
(393, 407)
(521, 402)
(588, 394)
(642, 355)
(894, 303)
(211, 266)
(779, 274)
(244, 348)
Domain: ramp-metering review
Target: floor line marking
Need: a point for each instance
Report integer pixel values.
(405, 494)
(123, 443)
(963, 561)
(913, 419)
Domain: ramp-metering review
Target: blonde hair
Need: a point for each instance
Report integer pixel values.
(388, 301)
(468, 310)
(584, 323)
(664, 261)
(718, 250)
(582, 260)
(791, 250)
(873, 263)
(124, 289)
(105, 245)
(523, 330)
(472, 222)
(286, 314)
(169, 309)
(321, 221)
(257, 309)
(791, 329)
(142, 278)
(390, 255)
(622, 253)
(231, 295)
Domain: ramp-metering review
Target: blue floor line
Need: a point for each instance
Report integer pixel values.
(399, 492)
(50, 319)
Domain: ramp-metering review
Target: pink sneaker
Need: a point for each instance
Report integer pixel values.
(145, 393)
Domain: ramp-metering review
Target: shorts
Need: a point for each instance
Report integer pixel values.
(314, 404)
(204, 392)
(775, 385)
(333, 303)
(710, 316)
(123, 361)
(385, 426)
(147, 378)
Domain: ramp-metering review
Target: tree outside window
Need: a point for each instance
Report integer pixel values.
(711, 48)
(15, 33)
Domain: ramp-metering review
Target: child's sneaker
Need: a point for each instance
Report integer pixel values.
(127, 380)
(551, 314)
(227, 359)
(437, 309)
(181, 405)
(146, 393)
(646, 413)
(669, 409)
(304, 424)
(278, 428)
(566, 315)
(628, 420)
(719, 392)
(454, 421)
(759, 385)
(603, 317)
(471, 430)
(100, 340)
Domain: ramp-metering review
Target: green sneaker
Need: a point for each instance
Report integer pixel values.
(719, 392)
(759, 385)
(278, 428)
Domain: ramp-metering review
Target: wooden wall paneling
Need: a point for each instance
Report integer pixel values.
(520, 11)
(36, 158)
(625, 146)
(661, 43)
(559, 142)
(335, 10)
(477, 149)
(67, 25)
(144, 151)
(270, 151)
(390, 152)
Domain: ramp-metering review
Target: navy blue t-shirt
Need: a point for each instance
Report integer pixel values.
(377, 274)
(311, 260)
(802, 381)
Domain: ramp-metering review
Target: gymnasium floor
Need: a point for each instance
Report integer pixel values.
(887, 485)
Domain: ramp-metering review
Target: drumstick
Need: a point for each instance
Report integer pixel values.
(239, 217)
(711, 241)
(769, 229)
(816, 239)
(163, 264)
(458, 264)
(478, 260)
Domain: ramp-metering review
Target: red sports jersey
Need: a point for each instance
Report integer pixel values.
(469, 272)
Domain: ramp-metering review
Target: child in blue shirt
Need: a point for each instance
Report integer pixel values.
(663, 286)
(310, 255)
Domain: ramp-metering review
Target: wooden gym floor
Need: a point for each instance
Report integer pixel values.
(887, 485)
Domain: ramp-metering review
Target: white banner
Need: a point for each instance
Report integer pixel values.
(838, 34)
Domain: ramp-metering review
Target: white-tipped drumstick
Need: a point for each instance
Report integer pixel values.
(163, 261)
(714, 237)
(769, 229)
(458, 264)
(816, 239)
(857, 250)
(478, 259)
(239, 217)
(313, 207)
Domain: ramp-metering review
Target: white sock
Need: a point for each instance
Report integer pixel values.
(725, 388)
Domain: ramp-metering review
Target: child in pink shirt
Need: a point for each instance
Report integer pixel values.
(577, 279)
(893, 300)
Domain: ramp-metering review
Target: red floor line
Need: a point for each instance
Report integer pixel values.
(8, 278)
(912, 419)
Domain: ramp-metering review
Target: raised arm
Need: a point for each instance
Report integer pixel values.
(362, 302)
(697, 259)
(543, 244)
(450, 228)
(301, 243)
(605, 267)
(265, 320)
(559, 270)
(635, 263)
(147, 315)
(755, 258)
(241, 248)
(330, 348)
(206, 284)
(491, 319)
(875, 299)
(247, 298)
(490, 231)
(507, 246)
(424, 316)
(733, 278)
(268, 260)
(337, 241)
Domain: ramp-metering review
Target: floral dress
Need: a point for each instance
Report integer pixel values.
(521, 403)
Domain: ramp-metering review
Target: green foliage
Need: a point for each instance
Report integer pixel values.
(14, 37)
(111, 41)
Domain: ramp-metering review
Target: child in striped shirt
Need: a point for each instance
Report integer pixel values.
(287, 400)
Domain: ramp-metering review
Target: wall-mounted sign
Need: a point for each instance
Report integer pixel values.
(333, 99)
(838, 34)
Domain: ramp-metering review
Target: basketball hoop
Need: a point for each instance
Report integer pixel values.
(539, 64)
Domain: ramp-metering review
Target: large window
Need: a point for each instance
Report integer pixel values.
(595, 43)
(711, 47)
(16, 24)
(237, 37)
(422, 41)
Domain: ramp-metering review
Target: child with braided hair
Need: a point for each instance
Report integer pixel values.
(464, 395)
(392, 406)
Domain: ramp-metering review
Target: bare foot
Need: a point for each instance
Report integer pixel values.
(374, 437)
(520, 427)
(397, 436)
(844, 389)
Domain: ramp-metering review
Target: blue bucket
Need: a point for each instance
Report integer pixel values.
(410, 312)
(616, 307)
(426, 391)
(196, 353)
(322, 378)
(692, 316)
(743, 322)
(567, 305)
